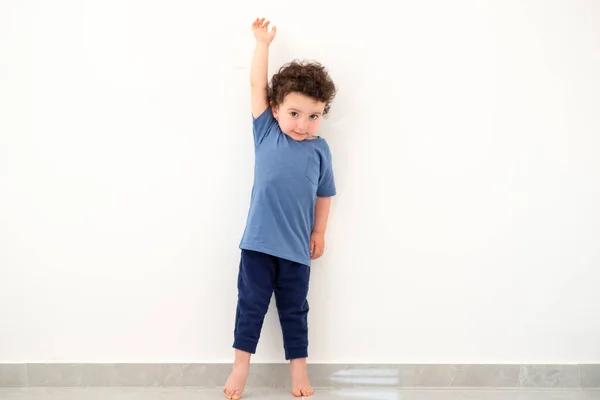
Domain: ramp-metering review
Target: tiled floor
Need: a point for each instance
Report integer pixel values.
(274, 394)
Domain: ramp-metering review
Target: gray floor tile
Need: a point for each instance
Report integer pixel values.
(40, 393)
(486, 394)
(592, 394)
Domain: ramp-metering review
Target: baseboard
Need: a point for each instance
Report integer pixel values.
(321, 375)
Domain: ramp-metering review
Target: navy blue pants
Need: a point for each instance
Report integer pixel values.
(259, 276)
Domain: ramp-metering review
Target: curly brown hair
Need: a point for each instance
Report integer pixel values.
(309, 78)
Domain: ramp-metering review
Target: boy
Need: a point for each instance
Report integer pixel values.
(289, 208)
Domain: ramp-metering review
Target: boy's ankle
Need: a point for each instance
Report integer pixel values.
(241, 363)
(298, 361)
(242, 359)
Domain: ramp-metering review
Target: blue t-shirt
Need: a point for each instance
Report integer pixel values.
(288, 177)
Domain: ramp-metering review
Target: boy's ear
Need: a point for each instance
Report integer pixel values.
(275, 111)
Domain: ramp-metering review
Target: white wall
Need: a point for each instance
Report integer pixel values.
(466, 148)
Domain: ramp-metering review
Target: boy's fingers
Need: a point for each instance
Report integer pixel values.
(317, 253)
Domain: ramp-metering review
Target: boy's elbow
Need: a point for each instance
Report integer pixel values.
(258, 84)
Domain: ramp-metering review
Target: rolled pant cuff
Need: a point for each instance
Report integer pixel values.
(296, 352)
(245, 345)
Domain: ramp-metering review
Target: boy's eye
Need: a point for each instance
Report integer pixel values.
(313, 117)
(294, 114)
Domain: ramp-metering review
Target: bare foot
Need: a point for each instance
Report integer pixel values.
(237, 379)
(300, 383)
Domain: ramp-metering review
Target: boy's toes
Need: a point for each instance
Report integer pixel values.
(304, 392)
(236, 395)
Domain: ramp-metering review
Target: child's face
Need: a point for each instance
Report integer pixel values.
(299, 116)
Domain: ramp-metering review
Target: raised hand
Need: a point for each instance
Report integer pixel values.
(261, 31)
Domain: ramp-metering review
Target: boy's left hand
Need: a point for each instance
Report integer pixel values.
(317, 245)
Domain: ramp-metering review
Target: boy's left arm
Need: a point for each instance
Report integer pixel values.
(317, 238)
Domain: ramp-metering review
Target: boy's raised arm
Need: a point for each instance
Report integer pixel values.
(260, 64)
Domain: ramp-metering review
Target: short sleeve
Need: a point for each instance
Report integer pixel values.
(262, 126)
(326, 179)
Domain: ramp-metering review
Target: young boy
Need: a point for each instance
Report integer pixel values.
(289, 208)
